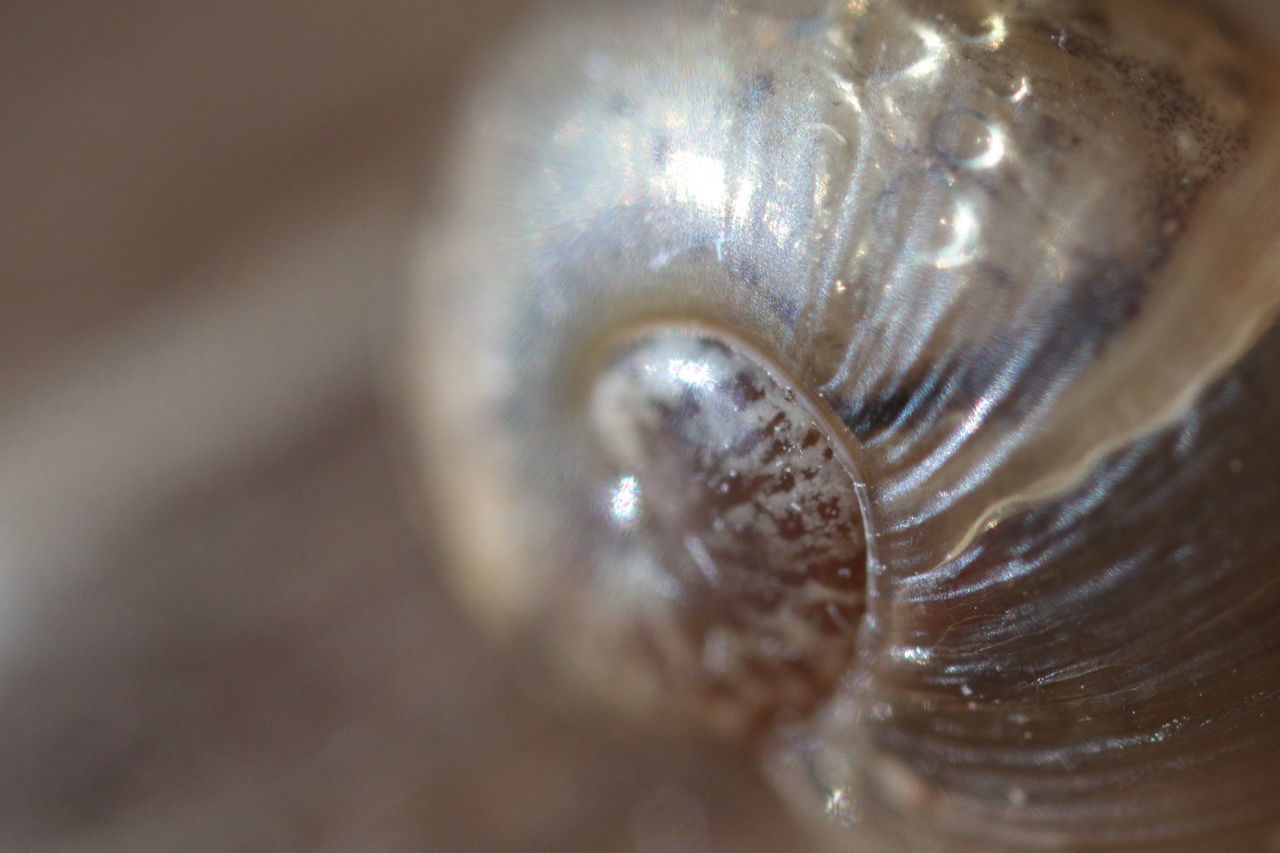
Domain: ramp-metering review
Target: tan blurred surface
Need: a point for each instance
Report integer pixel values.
(271, 665)
(218, 628)
(143, 137)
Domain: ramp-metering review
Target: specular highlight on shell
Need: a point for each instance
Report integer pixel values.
(891, 384)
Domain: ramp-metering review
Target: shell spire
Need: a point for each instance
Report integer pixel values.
(892, 383)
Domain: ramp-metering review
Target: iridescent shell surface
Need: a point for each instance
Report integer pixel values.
(967, 311)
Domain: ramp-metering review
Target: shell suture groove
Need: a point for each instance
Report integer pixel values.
(1014, 262)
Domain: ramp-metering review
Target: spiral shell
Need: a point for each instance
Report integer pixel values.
(891, 383)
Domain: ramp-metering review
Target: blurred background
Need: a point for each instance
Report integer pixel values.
(220, 625)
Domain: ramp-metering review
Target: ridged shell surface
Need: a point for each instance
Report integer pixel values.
(1016, 264)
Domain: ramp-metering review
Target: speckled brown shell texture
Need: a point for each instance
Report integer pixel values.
(1002, 277)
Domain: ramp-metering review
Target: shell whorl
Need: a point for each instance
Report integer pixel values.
(1012, 264)
(737, 596)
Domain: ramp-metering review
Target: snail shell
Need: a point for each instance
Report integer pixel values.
(890, 385)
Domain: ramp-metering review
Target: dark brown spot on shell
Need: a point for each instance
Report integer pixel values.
(744, 507)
